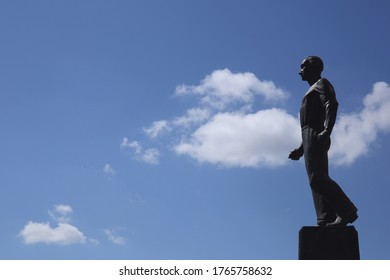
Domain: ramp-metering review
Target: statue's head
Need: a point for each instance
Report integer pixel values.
(311, 67)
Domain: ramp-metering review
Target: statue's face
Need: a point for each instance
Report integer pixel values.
(307, 70)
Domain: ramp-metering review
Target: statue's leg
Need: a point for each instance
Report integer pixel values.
(330, 193)
(324, 210)
(337, 198)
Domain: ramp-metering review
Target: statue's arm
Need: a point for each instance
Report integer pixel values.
(331, 105)
(331, 114)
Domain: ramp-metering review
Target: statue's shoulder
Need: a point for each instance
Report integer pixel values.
(323, 86)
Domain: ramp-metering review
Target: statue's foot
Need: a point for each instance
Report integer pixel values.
(340, 222)
(323, 223)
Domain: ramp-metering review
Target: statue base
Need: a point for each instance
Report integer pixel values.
(328, 243)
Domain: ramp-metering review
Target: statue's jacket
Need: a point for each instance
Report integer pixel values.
(319, 107)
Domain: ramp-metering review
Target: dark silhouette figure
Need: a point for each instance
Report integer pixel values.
(317, 117)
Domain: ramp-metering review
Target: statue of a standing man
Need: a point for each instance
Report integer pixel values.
(317, 117)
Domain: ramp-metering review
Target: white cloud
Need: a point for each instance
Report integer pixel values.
(114, 238)
(354, 133)
(222, 88)
(148, 155)
(216, 91)
(235, 138)
(63, 234)
(246, 140)
(109, 170)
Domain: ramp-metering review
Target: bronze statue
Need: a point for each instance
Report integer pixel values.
(317, 117)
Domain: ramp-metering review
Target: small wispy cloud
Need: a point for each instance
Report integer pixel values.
(61, 213)
(136, 198)
(114, 237)
(146, 155)
(157, 128)
(194, 116)
(107, 169)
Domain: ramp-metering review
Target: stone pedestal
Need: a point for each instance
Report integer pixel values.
(328, 243)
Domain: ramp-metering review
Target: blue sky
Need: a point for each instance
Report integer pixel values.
(161, 129)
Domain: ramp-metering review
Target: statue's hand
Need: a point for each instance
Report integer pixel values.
(296, 154)
(323, 135)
